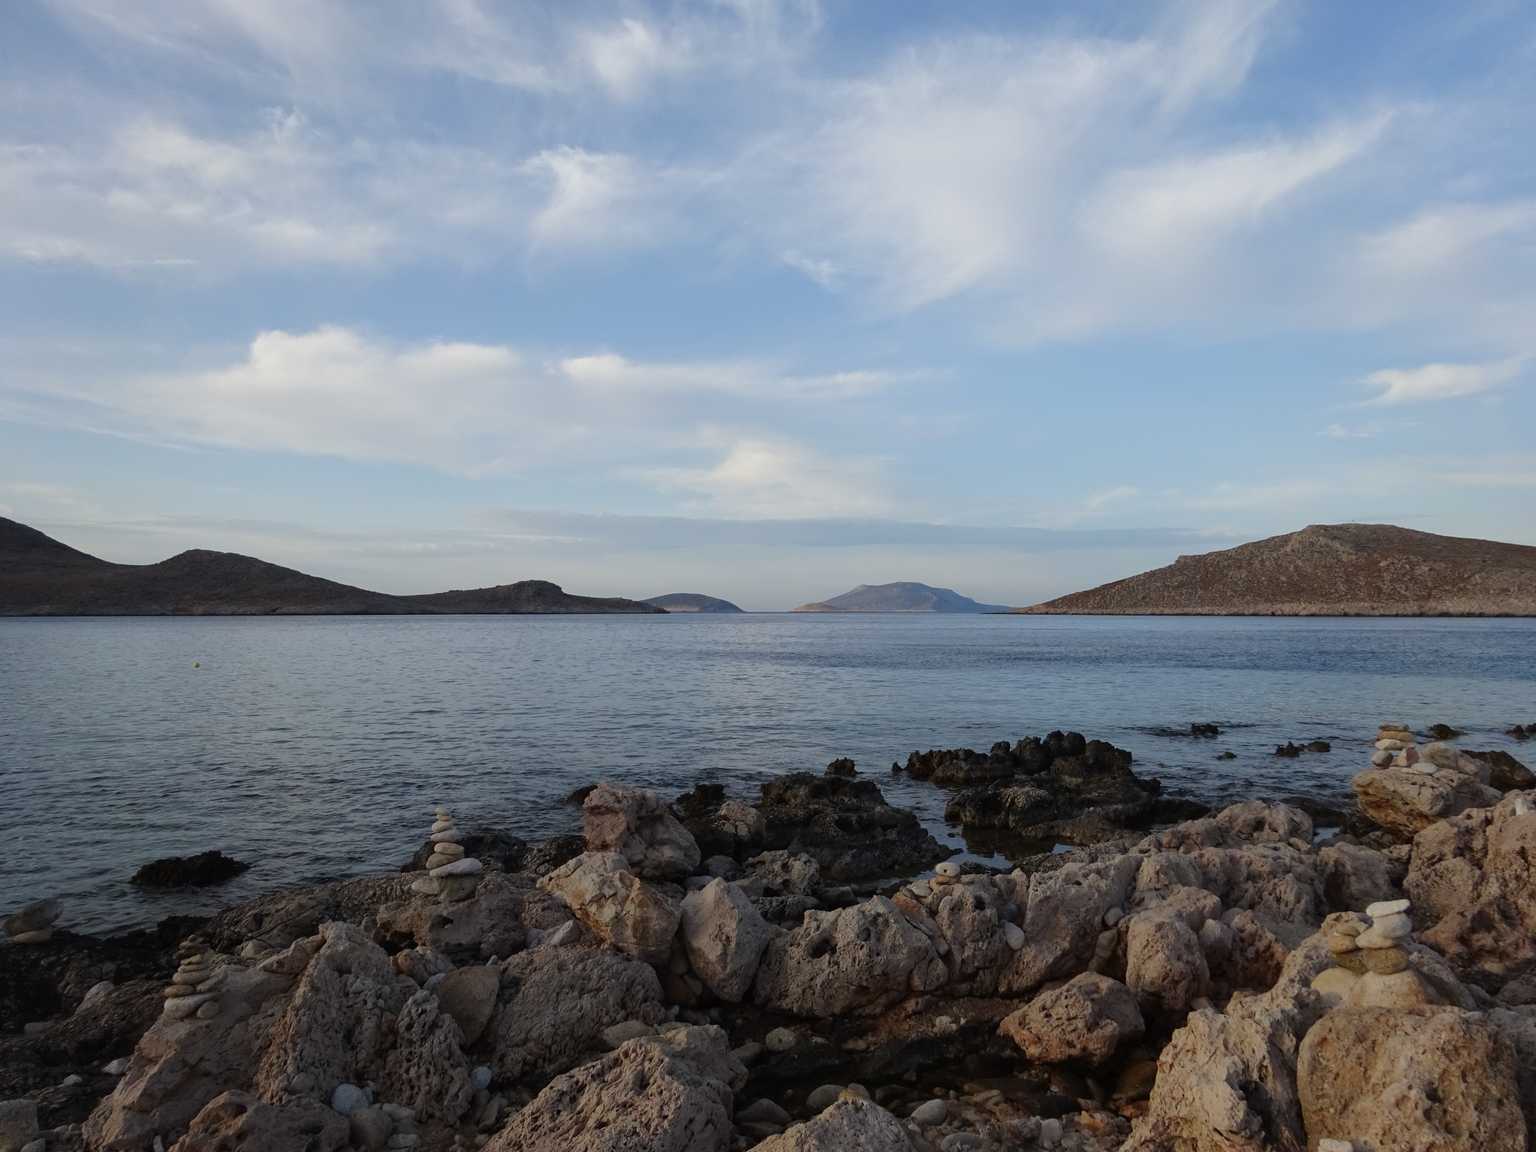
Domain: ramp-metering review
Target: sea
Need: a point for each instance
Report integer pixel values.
(317, 747)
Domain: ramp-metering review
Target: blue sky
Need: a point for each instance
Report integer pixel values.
(763, 298)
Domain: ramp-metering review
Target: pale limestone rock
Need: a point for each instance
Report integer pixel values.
(617, 906)
(848, 1125)
(241, 1120)
(1164, 963)
(427, 1070)
(639, 826)
(1087, 1019)
(1406, 802)
(1063, 911)
(468, 995)
(725, 937)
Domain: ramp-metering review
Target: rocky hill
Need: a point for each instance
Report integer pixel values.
(1328, 570)
(39, 576)
(904, 596)
(691, 602)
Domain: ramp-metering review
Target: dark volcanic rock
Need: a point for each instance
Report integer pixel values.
(1444, 732)
(1204, 730)
(198, 871)
(545, 856)
(1505, 772)
(842, 766)
(846, 827)
(1082, 798)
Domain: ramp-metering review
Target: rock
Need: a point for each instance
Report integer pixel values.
(1396, 1081)
(427, 1070)
(1087, 1019)
(1473, 878)
(785, 873)
(781, 1040)
(725, 937)
(370, 1128)
(626, 1030)
(1505, 773)
(1405, 802)
(1400, 990)
(1334, 985)
(820, 1098)
(348, 1098)
(1354, 876)
(846, 826)
(849, 1125)
(763, 1111)
(197, 871)
(615, 905)
(841, 767)
(1165, 965)
(241, 1120)
(18, 1123)
(639, 826)
(468, 995)
(556, 1002)
(670, 1093)
(1386, 931)
(853, 960)
(39, 916)
(1061, 922)
(930, 1112)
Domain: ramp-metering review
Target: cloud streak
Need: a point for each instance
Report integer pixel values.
(1430, 382)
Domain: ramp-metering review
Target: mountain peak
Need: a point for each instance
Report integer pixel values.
(900, 596)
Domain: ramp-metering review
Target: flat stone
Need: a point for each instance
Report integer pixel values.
(1406, 989)
(1328, 1144)
(37, 936)
(1388, 908)
(1334, 984)
(468, 866)
(1380, 759)
(437, 860)
(452, 836)
(1384, 961)
(1387, 932)
(1339, 944)
(184, 1006)
(448, 848)
(426, 886)
(443, 825)
(1390, 745)
(948, 869)
(207, 1010)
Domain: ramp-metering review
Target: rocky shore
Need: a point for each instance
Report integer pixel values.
(807, 971)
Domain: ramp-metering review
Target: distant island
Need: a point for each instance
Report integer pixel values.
(690, 602)
(1327, 570)
(39, 576)
(904, 596)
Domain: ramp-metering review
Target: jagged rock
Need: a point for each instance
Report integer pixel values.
(1473, 878)
(1164, 963)
(784, 873)
(427, 1070)
(850, 1124)
(639, 826)
(283, 917)
(490, 922)
(846, 826)
(240, 1120)
(1405, 801)
(556, 1002)
(544, 856)
(615, 905)
(1355, 876)
(668, 1093)
(1064, 911)
(1398, 1081)
(1505, 773)
(197, 871)
(1226, 1082)
(1086, 1019)
(725, 937)
(969, 916)
(1518, 1028)
(853, 960)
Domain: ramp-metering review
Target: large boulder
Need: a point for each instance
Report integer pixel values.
(555, 1003)
(1505, 772)
(1355, 877)
(1473, 879)
(619, 908)
(724, 936)
(1396, 1081)
(1405, 801)
(1063, 918)
(1086, 1019)
(1226, 1081)
(846, 826)
(849, 1124)
(1165, 966)
(639, 826)
(854, 960)
(491, 922)
(426, 1069)
(668, 1093)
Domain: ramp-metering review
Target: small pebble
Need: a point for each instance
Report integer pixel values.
(929, 1113)
(116, 1067)
(781, 1039)
(1050, 1133)
(1387, 908)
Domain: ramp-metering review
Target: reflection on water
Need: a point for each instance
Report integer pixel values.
(317, 747)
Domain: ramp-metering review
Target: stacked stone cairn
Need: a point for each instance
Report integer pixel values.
(1373, 968)
(33, 924)
(194, 989)
(1396, 747)
(450, 874)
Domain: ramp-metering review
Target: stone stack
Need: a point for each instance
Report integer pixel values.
(193, 990)
(1373, 965)
(33, 924)
(450, 874)
(1396, 747)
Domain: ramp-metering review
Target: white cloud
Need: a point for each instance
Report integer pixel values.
(599, 200)
(1439, 381)
(778, 479)
(1346, 432)
(1440, 237)
(625, 57)
(454, 406)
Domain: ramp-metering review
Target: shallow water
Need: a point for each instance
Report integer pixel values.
(317, 747)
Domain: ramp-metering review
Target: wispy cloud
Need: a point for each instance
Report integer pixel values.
(1348, 432)
(778, 480)
(1439, 381)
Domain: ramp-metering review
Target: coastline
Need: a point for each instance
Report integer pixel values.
(809, 963)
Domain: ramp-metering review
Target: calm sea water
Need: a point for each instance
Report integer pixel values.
(317, 747)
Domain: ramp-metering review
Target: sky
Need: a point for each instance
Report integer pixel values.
(763, 298)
